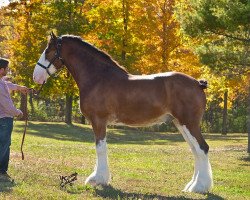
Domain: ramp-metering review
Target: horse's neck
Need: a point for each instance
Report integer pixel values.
(85, 67)
(78, 72)
(86, 73)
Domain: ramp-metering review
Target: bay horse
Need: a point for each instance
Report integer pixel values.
(111, 95)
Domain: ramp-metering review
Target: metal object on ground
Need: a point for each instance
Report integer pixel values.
(68, 180)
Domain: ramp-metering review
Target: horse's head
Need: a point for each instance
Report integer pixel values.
(50, 60)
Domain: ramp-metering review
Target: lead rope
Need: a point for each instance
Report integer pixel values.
(25, 128)
(35, 94)
(65, 180)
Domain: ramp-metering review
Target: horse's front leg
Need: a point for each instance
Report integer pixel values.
(101, 175)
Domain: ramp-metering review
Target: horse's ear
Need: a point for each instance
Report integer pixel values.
(52, 35)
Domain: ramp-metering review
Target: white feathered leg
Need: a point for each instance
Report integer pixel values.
(202, 180)
(101, 175)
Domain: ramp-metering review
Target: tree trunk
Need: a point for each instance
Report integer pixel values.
(23, 106)
(248, 125)
(224, 123)
(125, 10)
(68, 109)
(83, 120)
(248, 149)
(164, 43)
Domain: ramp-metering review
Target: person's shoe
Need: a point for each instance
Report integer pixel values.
(4, 177)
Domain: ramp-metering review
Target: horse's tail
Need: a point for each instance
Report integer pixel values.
(203, 84)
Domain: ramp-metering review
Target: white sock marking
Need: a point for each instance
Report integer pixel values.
(202, 179)
(101, 175)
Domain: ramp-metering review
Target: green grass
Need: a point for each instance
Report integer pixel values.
(144, 165)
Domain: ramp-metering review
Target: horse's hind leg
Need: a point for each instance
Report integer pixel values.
(101, 175)
(202, 178)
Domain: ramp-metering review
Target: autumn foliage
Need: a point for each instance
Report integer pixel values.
(143, 36)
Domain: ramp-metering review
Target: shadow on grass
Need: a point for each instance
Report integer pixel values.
(61, 131)
(246, 159)
(113, 193)
(6, 186)
(211, 196)
(230, 136)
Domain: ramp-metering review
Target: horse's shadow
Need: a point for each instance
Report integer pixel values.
(6, 186)
(114, 193)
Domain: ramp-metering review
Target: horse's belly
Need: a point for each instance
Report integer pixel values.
(142, 122)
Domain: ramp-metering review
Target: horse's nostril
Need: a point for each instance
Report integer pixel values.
(37, 80)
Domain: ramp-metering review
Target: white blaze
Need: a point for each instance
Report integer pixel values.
(40, 74)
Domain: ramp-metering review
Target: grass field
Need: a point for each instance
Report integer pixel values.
(144, 165)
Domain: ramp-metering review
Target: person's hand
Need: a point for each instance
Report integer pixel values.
(20, 115)
(23, 89)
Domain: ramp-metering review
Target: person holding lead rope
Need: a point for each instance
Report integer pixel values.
(7, 112)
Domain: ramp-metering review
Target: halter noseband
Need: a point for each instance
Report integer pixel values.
(57, 56)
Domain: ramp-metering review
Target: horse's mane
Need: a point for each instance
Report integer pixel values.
(99, 53)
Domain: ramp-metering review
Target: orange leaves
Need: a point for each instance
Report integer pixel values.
(145, 32)
(143, 36)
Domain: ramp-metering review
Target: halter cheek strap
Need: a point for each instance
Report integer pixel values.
(47, 68)
(57, 56)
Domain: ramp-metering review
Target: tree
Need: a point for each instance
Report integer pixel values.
(32, 22)
(68, 17)
(143, 36)
(223, 30)
(110, 29)
(23, 46)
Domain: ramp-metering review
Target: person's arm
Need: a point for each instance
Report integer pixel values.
(16, 87)
(11, 86)
(7, 104)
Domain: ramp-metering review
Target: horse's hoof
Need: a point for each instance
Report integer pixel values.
(96, 180)
(197, 188)
(91, 182)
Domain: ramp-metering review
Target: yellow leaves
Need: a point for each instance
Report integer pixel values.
(218, 85)
(147, 32)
